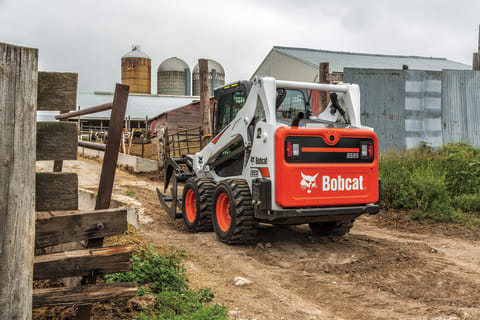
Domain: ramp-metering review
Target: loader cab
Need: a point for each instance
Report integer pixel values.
(229, 100)
(290, 102)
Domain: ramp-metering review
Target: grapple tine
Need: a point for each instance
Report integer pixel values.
(172, 209)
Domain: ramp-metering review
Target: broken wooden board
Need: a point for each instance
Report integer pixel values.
(57, 91)
(83, 295)
(56, 141)
(56, 191)
(82, 262)
(80, 226)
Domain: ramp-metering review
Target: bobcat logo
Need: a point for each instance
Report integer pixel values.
(308, 182)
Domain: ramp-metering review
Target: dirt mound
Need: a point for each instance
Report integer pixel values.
(401, 220)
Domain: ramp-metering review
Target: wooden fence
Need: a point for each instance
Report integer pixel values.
(22, 191)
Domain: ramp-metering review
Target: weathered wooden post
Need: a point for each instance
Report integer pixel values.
(323, 78)
(204, 101)
(105, 187)
(18, 107)
(161, 148)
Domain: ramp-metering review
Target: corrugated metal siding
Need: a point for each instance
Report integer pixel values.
(382, 98)
(461, 106)
(423, 92)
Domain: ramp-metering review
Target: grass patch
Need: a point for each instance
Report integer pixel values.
(161, 274)
(129, 193)
(442, 184)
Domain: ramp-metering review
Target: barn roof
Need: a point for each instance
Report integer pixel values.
(139, 106)
(338, 60)
(194, 102)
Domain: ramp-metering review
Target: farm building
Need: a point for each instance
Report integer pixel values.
(406, 99)
(186, 116)
(302, 64)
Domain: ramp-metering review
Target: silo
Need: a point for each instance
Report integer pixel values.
(216, 77)
(136, 71)
(173, 77)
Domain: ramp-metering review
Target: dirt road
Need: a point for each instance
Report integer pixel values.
(375, 272)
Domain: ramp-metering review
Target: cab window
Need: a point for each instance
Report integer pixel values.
(289, 104)
(227, 108)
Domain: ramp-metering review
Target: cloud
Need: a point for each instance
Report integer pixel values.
(90, 37)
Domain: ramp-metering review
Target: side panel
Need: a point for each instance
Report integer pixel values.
(316, 181)
(460, 106)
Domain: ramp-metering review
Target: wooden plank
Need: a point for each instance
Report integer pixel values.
(90, 110)
(56, 191)
(80, 226)
(18, 104)
(56, 141)
(115, 133)
(107, 175)
(57, 91)
(83, 294)
(82, 262)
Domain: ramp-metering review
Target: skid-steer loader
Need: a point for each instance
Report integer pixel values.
(272, 161)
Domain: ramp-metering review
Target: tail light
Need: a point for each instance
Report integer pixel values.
(370, 150)
(289, 150)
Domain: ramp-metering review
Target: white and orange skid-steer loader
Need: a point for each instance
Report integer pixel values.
(272, 161)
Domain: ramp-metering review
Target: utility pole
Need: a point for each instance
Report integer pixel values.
(204, 102)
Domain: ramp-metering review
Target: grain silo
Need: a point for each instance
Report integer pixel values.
(136, 71)
(216, 77)
(173, 77)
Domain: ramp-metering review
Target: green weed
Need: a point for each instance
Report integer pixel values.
(163, 276)
(442, 185)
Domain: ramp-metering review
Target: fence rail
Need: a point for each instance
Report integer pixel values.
(95, 109)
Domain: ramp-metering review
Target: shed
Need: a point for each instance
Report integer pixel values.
(302, 64)
(186, 116)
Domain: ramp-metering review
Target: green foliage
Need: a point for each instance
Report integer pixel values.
(187, 305)
(467, 202)
(129, 193)
(437, 184)
(163, 276)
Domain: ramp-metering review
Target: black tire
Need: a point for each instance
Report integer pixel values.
(203, 192)
(332, 228)
(243, 226)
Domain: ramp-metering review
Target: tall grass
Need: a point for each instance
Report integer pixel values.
(442, 184)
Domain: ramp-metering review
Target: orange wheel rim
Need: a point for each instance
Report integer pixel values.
(191, 205)
(223, 212)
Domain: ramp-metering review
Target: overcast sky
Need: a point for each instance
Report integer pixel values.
(89, 37)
